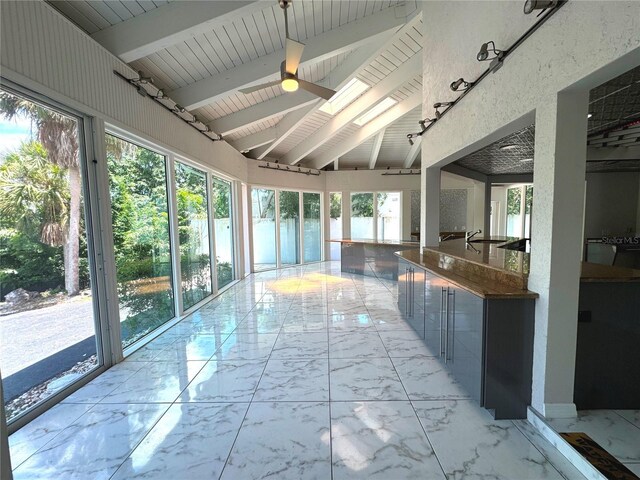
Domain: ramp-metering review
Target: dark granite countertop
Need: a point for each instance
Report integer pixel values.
(474, 279)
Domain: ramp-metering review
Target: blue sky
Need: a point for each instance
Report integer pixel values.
(13, 132)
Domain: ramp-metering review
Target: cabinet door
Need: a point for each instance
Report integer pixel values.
(465, 339)
(416, 296)
(403, 284)
(435, 291)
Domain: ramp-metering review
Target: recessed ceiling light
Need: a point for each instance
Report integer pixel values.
(344, 96)
(527, 160)
(589, 115)
(508, 147)
(383, 106)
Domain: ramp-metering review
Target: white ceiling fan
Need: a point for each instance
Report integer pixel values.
(289, 80)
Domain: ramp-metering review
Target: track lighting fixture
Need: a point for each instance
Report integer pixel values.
(141, 91)
(142, 79)
(531, 5)
(460, 85)
(485, 49)
(442, 104)
(144, 86)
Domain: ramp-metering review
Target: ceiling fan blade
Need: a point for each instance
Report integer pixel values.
(255, 88)
(292, 54)
(317, 90)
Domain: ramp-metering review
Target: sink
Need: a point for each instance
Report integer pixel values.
(486, 240)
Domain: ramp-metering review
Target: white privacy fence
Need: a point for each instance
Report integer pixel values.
(264, 241)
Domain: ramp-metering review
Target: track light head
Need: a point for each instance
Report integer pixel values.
(442, 104)
(531, 5)
(460, 84)
(411, 142)
(485, 49)
(142, 79)
(141, 91)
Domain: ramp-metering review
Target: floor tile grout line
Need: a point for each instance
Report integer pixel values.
(329, 396)
(615, 411)
(411, 403)
(250, 402)
(539, 450)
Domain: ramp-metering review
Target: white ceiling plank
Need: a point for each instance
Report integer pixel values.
(169, 24)
(336, 79)
(375, 149)
(250, 142)
(368, 131)
(262, 111)
(354, 63)
(413, 153)
(317, 49)
(371, 97)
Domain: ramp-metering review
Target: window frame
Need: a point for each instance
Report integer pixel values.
(94, 225)
(277, 190)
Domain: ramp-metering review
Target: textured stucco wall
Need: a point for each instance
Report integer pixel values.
(584, 44)
(578, 41)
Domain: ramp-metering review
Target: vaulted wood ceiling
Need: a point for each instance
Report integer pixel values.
(201, 53)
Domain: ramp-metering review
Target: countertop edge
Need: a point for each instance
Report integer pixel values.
(515, 294)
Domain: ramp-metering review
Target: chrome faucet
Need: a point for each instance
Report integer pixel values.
(469, 235)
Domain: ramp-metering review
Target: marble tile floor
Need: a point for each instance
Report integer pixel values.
(617, 431)
(300, 373)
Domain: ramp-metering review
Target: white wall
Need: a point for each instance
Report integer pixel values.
(612, 203)
(475, 197)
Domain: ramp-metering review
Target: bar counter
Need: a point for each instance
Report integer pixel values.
(372, 258)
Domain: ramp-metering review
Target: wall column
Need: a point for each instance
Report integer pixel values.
(559, 187)
(486, 224)
(430, 206)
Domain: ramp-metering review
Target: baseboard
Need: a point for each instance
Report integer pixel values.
(582, 464)
(560, 410)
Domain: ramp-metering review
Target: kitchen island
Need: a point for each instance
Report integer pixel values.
(471, 304)
(372, 258)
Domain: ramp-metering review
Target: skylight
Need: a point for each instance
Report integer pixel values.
(383, 106)
(344, 96)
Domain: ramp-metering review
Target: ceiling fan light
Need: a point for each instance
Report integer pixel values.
(289, 84)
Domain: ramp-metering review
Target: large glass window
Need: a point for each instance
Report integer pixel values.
(289, 228)
(389, 210)
(362, 224)
(139, 206)
(514, 220)
(193, 234)
(335, 222)
(223, 224)
(263, 217)
(528, 206)
(312, 227)
(47, 325)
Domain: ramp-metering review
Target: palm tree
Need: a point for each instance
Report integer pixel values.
(58, 134)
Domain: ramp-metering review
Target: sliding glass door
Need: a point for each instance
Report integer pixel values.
(389, 210)
(141, 237)
(362, 224)
(289, 204)
(263, 216)
(312, 227)
(223, 228)
(193, 234)
(48, 325)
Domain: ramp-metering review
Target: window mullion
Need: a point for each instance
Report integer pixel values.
(175, 239)
(213, 263)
